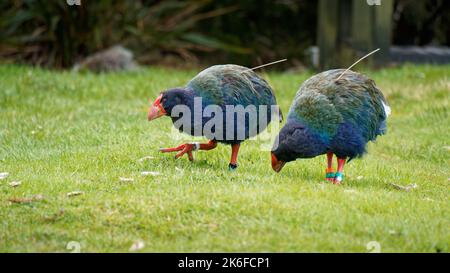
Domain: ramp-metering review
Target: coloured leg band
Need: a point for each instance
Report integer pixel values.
(339, 177)
(196, 145)
(329, 173)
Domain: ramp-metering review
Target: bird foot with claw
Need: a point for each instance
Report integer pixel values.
(186, 148)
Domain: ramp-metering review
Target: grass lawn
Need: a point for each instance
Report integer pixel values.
(62, 132)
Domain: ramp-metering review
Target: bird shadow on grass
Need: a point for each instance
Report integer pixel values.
(184, 163)
(303, 175)
(367, 184)
(312, 176)
(203, 163)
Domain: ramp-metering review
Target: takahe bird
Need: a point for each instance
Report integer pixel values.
(333, 113)
(222, 86)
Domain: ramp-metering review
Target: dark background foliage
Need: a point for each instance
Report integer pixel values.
(173, 32)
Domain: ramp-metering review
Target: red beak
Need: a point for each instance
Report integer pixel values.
(277, 165)
(156, 110)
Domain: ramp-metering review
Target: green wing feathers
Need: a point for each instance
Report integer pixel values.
(323, 102)
(232, 84)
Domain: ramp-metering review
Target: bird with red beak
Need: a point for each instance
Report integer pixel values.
(222, 86)
(156, 109)
(334, 113)
(277, 165)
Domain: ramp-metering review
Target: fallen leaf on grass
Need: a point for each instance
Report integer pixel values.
(19, 200)
(180, 172)
(146, 158)
(359, 177)
(146, 173)
(3, 175)
(403, 188)
(54, 216)
(38, 128)
(125, 179)
(321, 186)
(74, 193)
(393, 232)
(138, 245)
(213, 226)
(15, 184)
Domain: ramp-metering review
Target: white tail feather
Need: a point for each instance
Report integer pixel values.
(387, 109)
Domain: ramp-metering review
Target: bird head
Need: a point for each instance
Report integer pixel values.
(165, 102)
(292, 142)
(281, 150)
(277, 165)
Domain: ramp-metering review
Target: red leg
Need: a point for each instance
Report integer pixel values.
(329, 172)
(339, 174)
(234, 153)
(188, 148)
(208, 146)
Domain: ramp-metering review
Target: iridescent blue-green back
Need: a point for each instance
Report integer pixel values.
(232, 85)
(332, 108)
(235, 85)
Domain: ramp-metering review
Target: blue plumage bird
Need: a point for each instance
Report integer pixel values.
(219, 86)
(335, 112)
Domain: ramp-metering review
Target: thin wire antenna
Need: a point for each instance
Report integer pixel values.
(367, 55)
(264, 65)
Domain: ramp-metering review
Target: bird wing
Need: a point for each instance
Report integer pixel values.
(323, 103)
(359, 101)
(233, 85)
